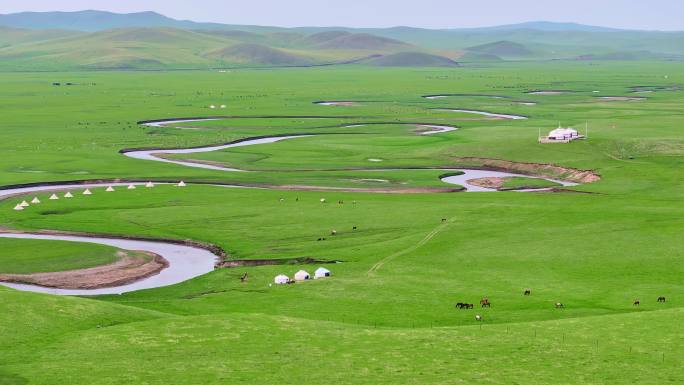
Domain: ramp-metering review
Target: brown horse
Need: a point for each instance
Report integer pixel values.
(484, 302)
(661, 299)
(527, 292)
(560, 305)
(636, 302)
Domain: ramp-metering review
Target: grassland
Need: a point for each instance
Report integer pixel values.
(387, 315)
(23, 256)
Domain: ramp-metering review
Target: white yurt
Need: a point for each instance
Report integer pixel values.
(281, 279)
(322, 272)
(35, 200)
(301, 275)
(54, 197)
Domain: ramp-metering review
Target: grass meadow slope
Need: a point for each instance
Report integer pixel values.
(387, 314)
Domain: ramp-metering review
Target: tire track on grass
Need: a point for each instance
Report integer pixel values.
(417, 246)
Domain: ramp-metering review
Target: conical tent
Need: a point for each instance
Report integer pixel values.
(281, 279)
(181, 184)
(24, 204)
(301, 275)
(109, 189)
(54, 197)
(35, 200)
(131, 187)
(149, 184)
(68, 195)
(87, 192)
(322, 272)
(18, 207)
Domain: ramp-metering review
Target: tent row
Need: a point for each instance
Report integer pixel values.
(302, 275)
(68, 194)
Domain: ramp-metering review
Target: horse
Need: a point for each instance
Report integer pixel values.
(661, 299)
(243, 279)
(560, 305)
(527, 292)
(334, 232)
(444, 220)
(636, 302)
(478, 317)
(484, 302)
(354, 228)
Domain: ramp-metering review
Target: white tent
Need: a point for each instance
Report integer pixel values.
(131, 187)
(18, 207)
(68, 195)
(87, 192)
(281, 279)
(54, 197)
(109, 189)
(212, 106)
(24, 204)
(149, 184)
(181, 184)
(223, 106)
(301, 275)
(322, 272)
(35, 200)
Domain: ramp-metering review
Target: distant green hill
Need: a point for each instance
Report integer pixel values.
(502, 48)
(412, 59)
(249, 53)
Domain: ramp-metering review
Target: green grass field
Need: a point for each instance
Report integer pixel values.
(387, 315)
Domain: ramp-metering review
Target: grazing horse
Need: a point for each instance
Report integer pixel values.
(443, 219)
(334, 232)
(560, 305)
(636, 302)
(243, 279)
(527, 292)
(478, 317)
(661, 299)
(484, 302)
(354, 228)
(462, 305)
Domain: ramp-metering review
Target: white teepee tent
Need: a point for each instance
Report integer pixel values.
(68, 195)
(87, 192)
(24, 204)
(149, 184)
(54, 197)
(109, 189)
(131, 187)
(35, 200)
(18, 207)
(181, 184)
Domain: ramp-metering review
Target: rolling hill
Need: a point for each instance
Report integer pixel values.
(147, 40)
(412, 59)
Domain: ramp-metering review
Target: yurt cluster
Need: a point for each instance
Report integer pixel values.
(24, 204)
(301, 275)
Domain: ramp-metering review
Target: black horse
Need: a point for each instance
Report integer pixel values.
(661, 299)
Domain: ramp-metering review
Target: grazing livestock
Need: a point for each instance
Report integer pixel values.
(478, 317)
(636, 302)
(243, 279)
(462, 305)
(354, 228)
(527, 292)
(443, 220)
(484, 302)
(560, 305)
(661, 299)
(334, 232)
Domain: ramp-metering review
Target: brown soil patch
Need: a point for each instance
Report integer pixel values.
(536, 169)
(132, 266)
(489, 182)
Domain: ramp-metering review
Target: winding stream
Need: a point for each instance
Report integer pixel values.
(186, 262)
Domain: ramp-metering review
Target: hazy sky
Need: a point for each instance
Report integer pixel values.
(635, 14)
